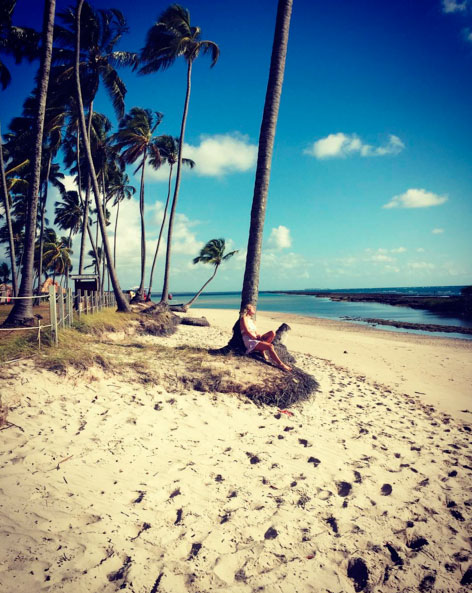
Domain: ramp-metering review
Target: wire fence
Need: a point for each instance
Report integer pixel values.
(57, 309)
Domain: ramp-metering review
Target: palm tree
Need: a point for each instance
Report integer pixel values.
(69, 213)
(20, 42)
(119, 190)
(6, 207)
(264, 159)
(57, 254)
(22, 311)
(121, 301)
(100, 31)
(136, 140)
(212, 253)
(169, 38)
(169, 153)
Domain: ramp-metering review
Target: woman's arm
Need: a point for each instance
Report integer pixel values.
(245, 329)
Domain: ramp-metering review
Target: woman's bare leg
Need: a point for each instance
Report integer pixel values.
(268, 337)
(264, 347)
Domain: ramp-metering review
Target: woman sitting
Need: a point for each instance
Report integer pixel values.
(255, 342)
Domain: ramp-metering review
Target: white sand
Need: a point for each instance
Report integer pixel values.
(112, 485)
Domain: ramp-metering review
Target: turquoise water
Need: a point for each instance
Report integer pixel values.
(312, 306)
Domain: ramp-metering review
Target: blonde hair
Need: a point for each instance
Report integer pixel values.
(245, 311)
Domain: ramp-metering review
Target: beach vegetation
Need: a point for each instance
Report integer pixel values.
(171, 37)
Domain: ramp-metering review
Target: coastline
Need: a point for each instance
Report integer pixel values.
(112, 480)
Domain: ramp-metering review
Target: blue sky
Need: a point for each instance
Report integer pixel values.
(371, 178)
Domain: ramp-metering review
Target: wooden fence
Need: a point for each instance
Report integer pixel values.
(63, 306)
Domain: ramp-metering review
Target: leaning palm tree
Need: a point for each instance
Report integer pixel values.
(169, 153)
(212, 253)
(170, 37)
(264, 158)
(22, 311)
(136, 140)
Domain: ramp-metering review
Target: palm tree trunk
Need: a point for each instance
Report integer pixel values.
(140, 292)
(22, 311)
(165, 288)
(160, 233)
(121, 301)
(116, 230)
(191, 301)
(250, 289)
(87, 191)
(41, 231)
(6, 206)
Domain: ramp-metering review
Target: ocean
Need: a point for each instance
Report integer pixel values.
(312, 306)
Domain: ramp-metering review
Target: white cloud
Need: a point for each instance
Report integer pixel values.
(69, 183)
(286, 262)
(184, 240)
(421, 265)
(450, 6)
(421, 250)
(215, 156)
(343, 145)
(468, 35)
(280, 238)
(398, 250)
(222, 154)
(380, 257)
(416, 198)
(437, 231)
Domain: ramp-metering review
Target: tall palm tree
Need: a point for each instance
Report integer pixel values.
(212, 253)
(169, 153)
(100, 31)
(121, 301)
(6, 207)
(22, 311)
(264, 159)
(170, 37)
(136, 140)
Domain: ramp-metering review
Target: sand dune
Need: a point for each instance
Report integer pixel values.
(111, 484)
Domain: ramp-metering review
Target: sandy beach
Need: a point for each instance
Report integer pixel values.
(112, 484)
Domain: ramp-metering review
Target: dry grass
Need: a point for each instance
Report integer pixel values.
(105, 321)
(108, 340)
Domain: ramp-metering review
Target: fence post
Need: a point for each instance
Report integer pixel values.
(70, 307)
(61, 308)
(86, 301)
(78, 297)
(53, 313)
